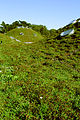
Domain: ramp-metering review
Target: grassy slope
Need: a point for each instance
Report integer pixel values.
(28, 35)
(48, 69)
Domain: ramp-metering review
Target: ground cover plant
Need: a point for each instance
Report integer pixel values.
(25, 34)
(40, 81)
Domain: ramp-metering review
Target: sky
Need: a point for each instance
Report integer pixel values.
(54, 14)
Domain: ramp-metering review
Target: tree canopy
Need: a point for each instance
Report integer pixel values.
(4, 28)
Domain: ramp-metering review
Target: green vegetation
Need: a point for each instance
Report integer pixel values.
(40, 81)
(28, 35)
(4, 28)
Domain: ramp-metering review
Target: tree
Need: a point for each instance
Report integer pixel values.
(3, 27)
(44, 31)
(53, 32)
(23, 23)
(15, 24)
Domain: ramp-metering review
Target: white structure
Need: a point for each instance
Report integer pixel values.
(21, 33)
(28, 42)
(17, 40)
(12, 37)
(72, 32)
(68, 32)
(20, 27)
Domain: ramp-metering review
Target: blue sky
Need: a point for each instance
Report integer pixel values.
(53, 14)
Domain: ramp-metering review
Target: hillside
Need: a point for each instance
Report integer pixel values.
(40, 81)
(25, 35)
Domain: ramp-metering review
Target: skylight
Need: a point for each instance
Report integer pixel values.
(68, 32)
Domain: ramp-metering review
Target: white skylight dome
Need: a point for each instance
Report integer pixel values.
(68, 32)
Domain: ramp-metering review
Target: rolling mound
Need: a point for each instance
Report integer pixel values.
(25, 35)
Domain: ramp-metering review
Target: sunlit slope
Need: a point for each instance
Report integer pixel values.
(7, 47)
(25, 35)
(5, 39)
(40, 80)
